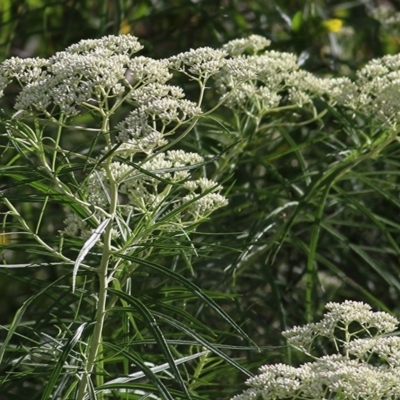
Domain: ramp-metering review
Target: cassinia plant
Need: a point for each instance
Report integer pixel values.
(366, 364)
(127, 190)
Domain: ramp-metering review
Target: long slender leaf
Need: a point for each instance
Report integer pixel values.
(52, 383)
(193, 288)
(159, 336)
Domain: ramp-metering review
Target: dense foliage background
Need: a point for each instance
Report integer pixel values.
(300, 230)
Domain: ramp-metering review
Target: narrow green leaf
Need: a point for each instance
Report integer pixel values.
(203, 342)
(158, 335)
(193, 288)
(52, 382)
(133, 358)
(158, 368)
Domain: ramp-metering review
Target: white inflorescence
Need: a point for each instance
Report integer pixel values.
(200, 63)
(350, 374)
(252, 44)
(375, 92)
(259, 83)
(99, 76)
(163, 185)
(90, 71)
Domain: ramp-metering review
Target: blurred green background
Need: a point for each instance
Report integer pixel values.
(40, 28)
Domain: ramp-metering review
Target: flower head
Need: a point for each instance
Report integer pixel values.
(200, 63)
(351, 375)
(254, 44)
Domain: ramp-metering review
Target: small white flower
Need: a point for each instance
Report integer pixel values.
(74, 225)
(123, 44)
(147, 70)
(136, 135)
(253, 43)
(203, 62)
(25, 70)
(200, 207)
(256, 82)
(169, 110)
(301, 336)
(154, 91)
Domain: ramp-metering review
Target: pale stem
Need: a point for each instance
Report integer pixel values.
(94, 361)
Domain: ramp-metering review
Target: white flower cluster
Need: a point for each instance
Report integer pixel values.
(252, 44)
(100, 75)
(200, 63)
(160, 186)
(257, 83)
(148, 189)
(368, 369)
(375, 93)
(161, 183)
(145, 128)
(379, 88)
(93, 74)
(339, 317)
(91, 71)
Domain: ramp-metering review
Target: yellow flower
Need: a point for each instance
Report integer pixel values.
(333, 25)
(125, 27)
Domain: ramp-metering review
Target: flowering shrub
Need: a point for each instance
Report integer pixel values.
(130, 190)
(100, 76)
(366, 365)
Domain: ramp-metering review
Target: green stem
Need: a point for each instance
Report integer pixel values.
(95, 357)
(57, 145)
(311, 269)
